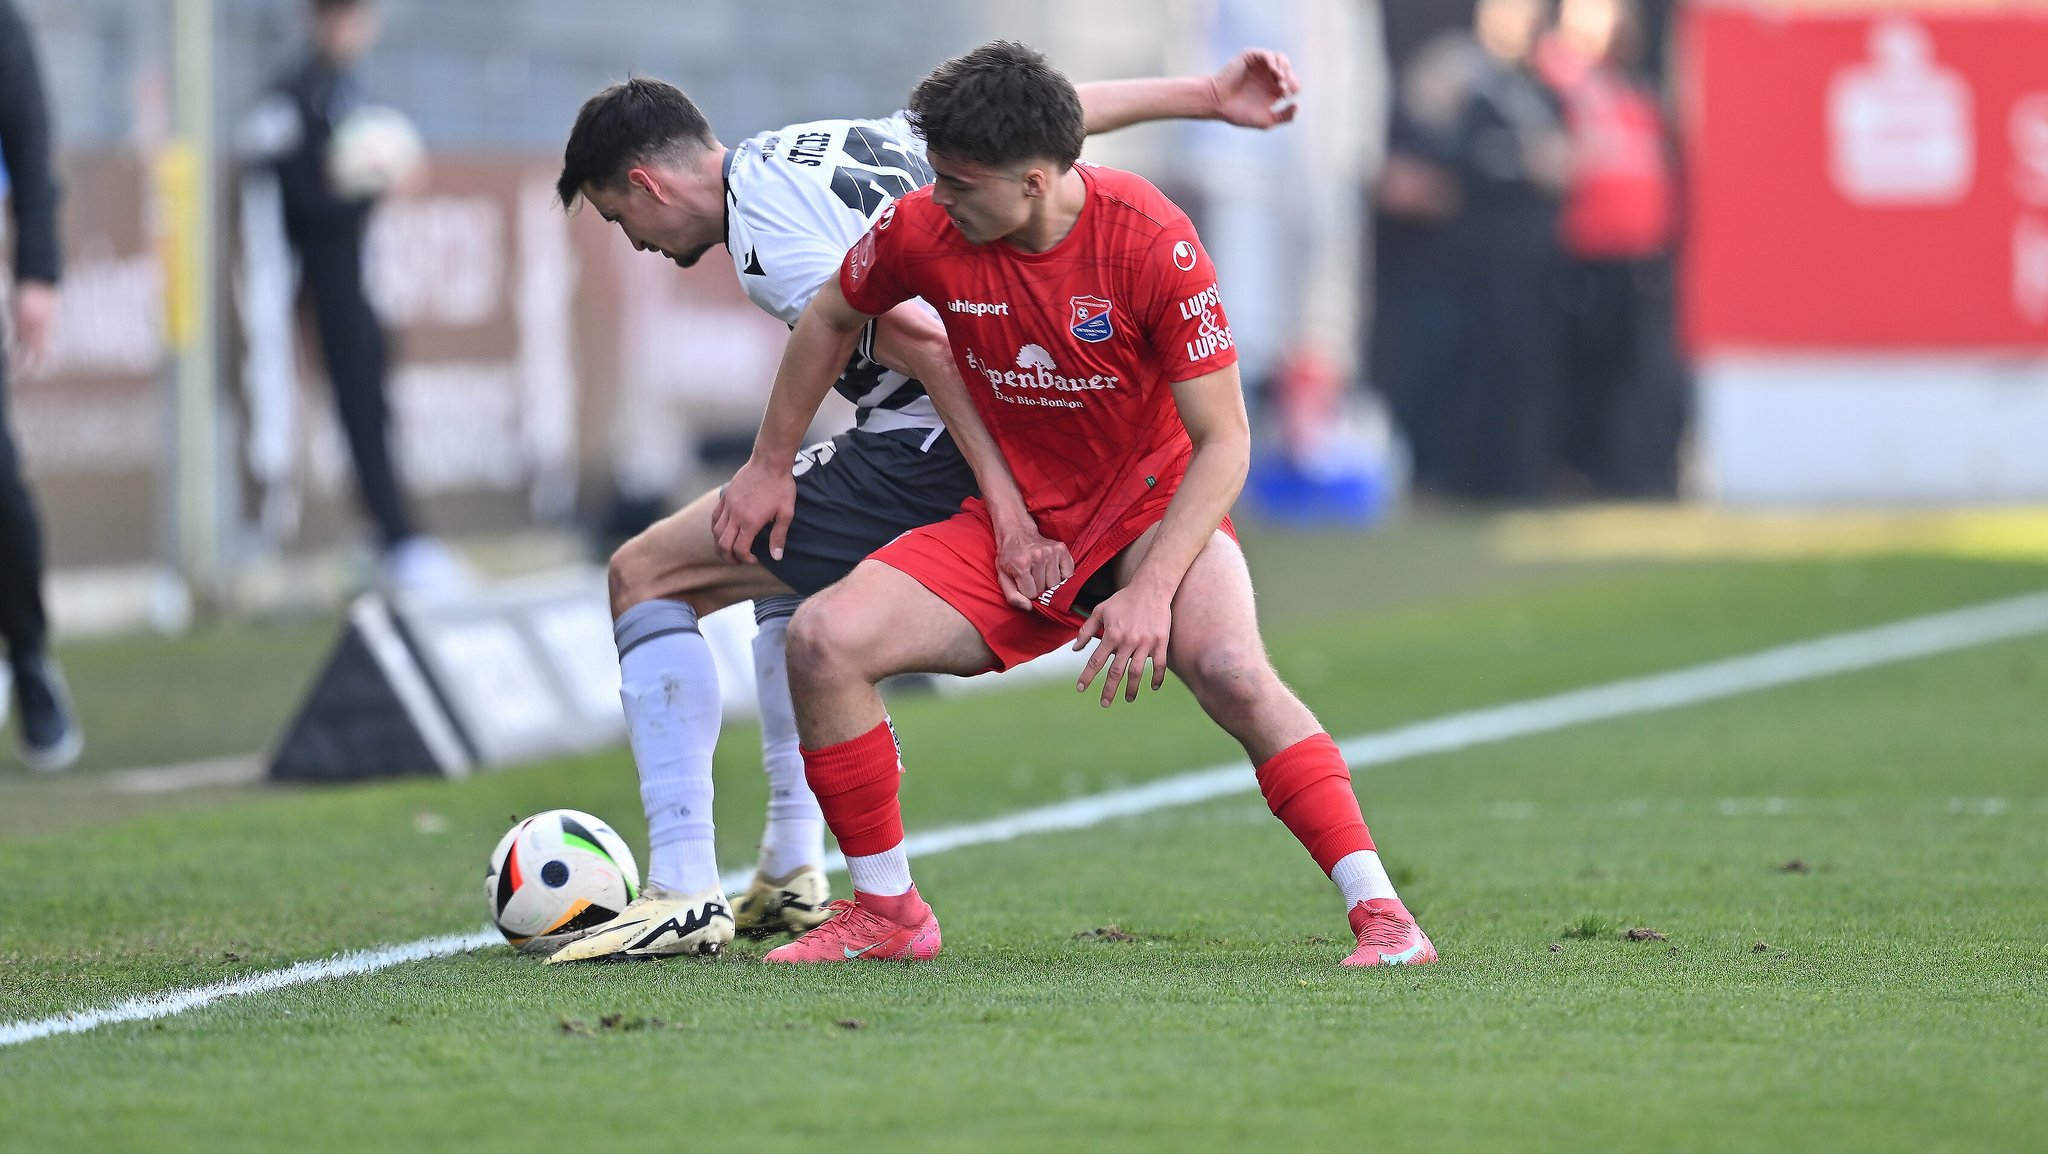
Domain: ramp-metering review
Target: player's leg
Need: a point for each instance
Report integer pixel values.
(662, 581)
(1216, 649)
(878, 622)
(789, 890)
(854, 494)
(46, 729)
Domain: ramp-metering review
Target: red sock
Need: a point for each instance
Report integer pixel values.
(1308, 787)
(856, 786)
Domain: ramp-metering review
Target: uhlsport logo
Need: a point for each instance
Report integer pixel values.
(980, 308)
(1091, 319)
(1184, 256)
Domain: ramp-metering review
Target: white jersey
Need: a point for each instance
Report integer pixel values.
(795, 200)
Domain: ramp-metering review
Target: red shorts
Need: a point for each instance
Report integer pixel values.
(956, 559)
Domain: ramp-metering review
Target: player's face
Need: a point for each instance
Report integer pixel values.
(984, 203)
(345, 35)
(652, 222)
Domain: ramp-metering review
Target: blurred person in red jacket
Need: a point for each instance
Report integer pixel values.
(1623, 396)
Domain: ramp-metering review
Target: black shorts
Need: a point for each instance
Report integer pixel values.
(857, 492)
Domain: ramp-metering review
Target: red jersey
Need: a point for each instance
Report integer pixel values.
(1069, 354)
(1619, 205)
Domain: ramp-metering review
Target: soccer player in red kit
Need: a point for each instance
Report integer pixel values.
(1085, 320)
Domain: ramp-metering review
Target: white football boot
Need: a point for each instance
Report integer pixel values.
(790, 904)
(657, 924)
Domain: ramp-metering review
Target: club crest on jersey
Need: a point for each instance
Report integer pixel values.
(1091, 319)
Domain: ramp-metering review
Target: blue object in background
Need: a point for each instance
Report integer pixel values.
(1284, 493)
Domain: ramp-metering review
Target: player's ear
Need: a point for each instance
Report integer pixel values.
(646, 182)
(1036, 182)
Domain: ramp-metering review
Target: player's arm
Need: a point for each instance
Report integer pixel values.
(763, 492)
(1135, 623)
(1255, 90)
(25, 146)
(909, 339)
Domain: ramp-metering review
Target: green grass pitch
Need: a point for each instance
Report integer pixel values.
(1844, 878)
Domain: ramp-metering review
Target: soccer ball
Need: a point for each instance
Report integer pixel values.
(372, 149)
(555, 875)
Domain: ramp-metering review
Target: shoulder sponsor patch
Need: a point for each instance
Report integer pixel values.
(1212, 337)
(863, 257)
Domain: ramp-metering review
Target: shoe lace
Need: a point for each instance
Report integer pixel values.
(849, 919)
(1386, 931)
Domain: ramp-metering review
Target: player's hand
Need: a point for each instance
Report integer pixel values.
(1256, 89)
(1133, 625)
(760, 495)
(409, 183)
(1028, 563)
(35, 314)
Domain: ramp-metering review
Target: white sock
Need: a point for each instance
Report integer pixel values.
(795, 833)
(692, 859)
(669, 687)
(1361, 877)
(884, 874)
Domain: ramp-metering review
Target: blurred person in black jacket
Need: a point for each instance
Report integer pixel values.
(1477, 160)
(292, 133)
(46, 730)
(1416, 318)
(1511, 156)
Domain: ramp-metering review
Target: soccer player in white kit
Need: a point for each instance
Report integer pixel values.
(787, 205)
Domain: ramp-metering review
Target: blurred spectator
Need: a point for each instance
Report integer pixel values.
(1624, 395)
(1479, 160)
(1415, 294)
(47, 728)
(326, 195)
(1512, 160)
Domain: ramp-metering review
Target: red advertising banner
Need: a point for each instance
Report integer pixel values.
(1867, 180)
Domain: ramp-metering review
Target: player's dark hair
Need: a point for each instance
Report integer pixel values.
(632, 122)
(999, 105)
(326, 6)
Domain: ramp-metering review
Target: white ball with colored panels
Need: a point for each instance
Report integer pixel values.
(372, 149)
(555, 875)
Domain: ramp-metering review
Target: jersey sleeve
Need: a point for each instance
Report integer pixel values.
(874, 277)
(786, 231)
(1180, 307)
(793, 271)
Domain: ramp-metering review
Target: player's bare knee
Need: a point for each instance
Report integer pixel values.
(626, 576)
(820, 648)
(1230, 680)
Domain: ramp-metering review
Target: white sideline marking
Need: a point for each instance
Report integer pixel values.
(1916, 637)
(172, 1002)
(1754, 807)
(219, 771)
